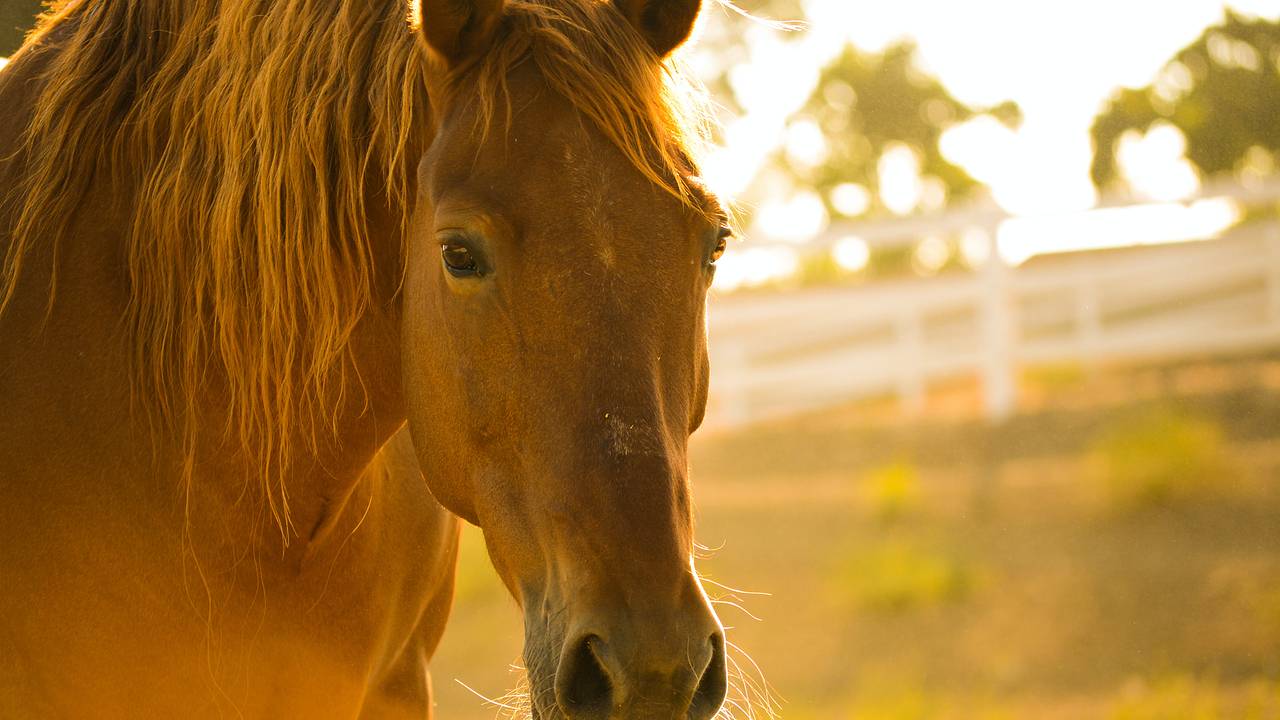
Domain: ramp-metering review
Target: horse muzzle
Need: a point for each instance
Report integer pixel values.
(636, 666)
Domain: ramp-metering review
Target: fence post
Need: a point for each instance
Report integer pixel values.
(999, 335)
(1273, 274)
(732, 374)
(909, 328)
(1088, 323)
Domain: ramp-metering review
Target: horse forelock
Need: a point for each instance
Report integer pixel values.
(651, 109)
(249, 138)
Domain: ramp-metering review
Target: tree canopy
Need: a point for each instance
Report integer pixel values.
(1222, 91)
(865, 106)
(16, 18)
(867, 103)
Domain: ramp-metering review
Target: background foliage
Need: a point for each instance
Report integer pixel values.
(15, 20)
(1222, 92)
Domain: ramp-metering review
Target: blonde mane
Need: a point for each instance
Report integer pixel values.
(248, 140)
(252, 136)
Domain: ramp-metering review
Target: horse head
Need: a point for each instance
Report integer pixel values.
(555, 353)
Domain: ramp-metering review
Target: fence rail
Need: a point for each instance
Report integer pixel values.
(778, 354)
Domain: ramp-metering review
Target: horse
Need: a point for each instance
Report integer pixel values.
(293, 288)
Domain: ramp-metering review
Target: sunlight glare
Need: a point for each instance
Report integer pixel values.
(1233, 54)
(770, 85)
(1267, 9)
(1045, 168)
(851, 199)
(1038, 171)
(933, 194)
(1257, 165)
(1155, 164)
(1173, 82)
(851, 253)
(930, 255)
(730, 168)
(983, 146)
(797, 220)
(1020, 239)
(899, 175)
(755, 266)
(805, 145)
(975, 247)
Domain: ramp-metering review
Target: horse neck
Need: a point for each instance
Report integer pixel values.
(325, 466)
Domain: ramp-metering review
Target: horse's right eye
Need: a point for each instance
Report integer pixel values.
(459, 260)
(722, 244)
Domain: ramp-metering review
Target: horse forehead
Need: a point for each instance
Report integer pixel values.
(588, 188)
(604, 227)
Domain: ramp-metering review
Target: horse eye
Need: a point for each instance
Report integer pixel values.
(722, 244)
(458, 260)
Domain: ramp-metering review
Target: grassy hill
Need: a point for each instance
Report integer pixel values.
(1113, 554)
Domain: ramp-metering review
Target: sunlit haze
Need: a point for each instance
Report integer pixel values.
(1058, 62)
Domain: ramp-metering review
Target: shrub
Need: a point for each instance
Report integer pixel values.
(1159, 456)
(892, 491)
(897, 576)
(1176, 698)
(915, 702)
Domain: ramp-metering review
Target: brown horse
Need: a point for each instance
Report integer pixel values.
(228, 283)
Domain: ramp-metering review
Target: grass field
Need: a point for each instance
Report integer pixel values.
(1112, 553)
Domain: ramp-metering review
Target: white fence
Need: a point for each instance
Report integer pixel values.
(777, 354)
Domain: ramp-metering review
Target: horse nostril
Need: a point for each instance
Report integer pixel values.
(714, 684)
(583, 687)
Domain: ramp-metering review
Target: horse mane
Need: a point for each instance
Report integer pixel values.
(251, 138)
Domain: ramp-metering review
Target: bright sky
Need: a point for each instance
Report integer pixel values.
(1058, 61)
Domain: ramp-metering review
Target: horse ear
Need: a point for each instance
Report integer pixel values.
(666, 24)
(459, 30)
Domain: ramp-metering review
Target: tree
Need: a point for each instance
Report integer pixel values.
(865, 104)
(16, 18)
(1222, 91)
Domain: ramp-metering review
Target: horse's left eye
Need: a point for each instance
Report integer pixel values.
(458, 260)
(722, 244)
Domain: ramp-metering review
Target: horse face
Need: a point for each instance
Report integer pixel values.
(555, 366)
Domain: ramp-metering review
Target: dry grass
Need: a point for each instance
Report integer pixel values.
(1004, 587)
(1159, 456)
